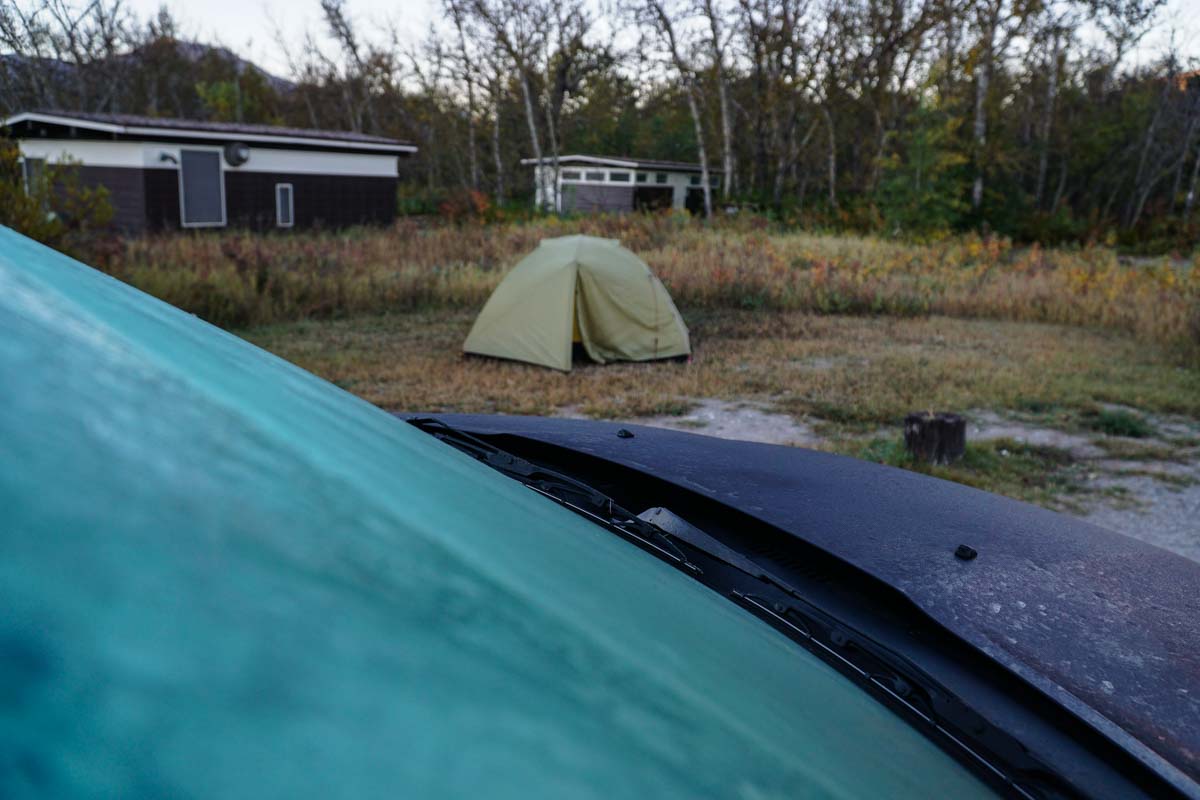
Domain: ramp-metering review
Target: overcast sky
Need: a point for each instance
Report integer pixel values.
(249, 26)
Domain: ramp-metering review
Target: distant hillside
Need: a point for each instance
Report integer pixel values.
(197, 51)
(159, 78)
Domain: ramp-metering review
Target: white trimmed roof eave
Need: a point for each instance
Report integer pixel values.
(183, 133)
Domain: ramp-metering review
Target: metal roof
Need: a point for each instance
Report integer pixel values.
(137, 126)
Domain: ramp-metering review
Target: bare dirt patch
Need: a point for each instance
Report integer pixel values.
(748, 422)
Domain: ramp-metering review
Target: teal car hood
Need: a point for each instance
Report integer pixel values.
(224, 577)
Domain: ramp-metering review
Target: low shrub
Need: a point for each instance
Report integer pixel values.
(54, 207)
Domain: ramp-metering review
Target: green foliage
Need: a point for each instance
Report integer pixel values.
(52, 206)
(1120, 423)
(417, 199)
(244, 97)
(924, 188)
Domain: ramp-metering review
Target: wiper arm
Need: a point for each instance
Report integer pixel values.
(563, 489)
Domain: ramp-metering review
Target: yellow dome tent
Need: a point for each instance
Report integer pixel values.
(584, 289)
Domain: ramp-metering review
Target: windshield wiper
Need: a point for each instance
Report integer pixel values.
(994, 754)
(564, 490)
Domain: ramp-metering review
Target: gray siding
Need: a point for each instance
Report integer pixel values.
(585, 197)
(329, 201)
(148, 199)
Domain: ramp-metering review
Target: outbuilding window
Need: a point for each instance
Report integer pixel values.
(285, 210)
(595, 176)
(694, 180)
(201, 189)
(619, 177)
(660, 177)
(571, 175)
(642, 177)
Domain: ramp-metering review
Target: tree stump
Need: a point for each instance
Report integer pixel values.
(935, 438)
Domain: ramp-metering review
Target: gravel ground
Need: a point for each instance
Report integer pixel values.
(1155, 501)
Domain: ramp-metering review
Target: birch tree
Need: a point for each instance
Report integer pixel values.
(659, 22)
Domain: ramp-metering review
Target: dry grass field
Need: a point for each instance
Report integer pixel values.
(852, 379)
(851, 371)
(241, 280)
(843, 335)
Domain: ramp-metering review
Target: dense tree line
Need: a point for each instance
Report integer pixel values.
(908, 116)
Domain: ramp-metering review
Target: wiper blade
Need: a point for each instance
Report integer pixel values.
(563, 489)
(994, 754)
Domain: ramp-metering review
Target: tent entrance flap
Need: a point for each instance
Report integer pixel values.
(579, 290)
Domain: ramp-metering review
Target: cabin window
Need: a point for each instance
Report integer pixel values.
(595, 176)
(694, 180)
(571, 175)
(619, 177)
(660, 177)
(31, 170)
(201, 189)
(285, 210)
(642, 177)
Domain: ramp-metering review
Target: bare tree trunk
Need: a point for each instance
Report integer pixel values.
(832, 158)
(982, 80)
(552, 136)
(718, 52)
(880, 141)
(496, 146)
(472, 146)
(534, 140)
(1183, 152)
(1139, 177)
(1142, 198)
(694, 107)
(1062, 187)
(727, 162)
(1047, 122)
(342, 30)
(456, 14)
(662, 22)
(522, 47)
(781, 165)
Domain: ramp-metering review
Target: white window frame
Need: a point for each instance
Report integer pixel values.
(182, 203)
(291, 202)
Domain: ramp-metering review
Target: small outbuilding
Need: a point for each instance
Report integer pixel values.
(604, 183)
(167, 174)
(585, 290)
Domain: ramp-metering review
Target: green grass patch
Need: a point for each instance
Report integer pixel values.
(1137, 451)
(1047, 476)
(1119, 423)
